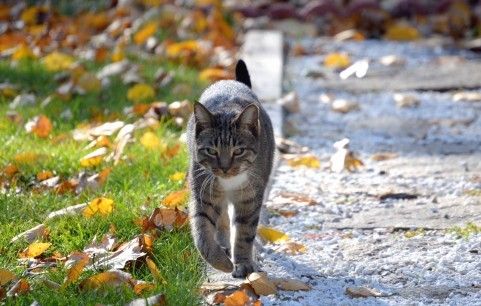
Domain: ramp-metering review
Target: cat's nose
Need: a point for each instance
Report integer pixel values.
(225, 169)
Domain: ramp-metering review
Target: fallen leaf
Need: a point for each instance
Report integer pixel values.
(80, 262)
(404, 100)
(71, 210)
(309, 160)
(337, 60)
(401, 32)
(101, 206)
(150, 140)
(145, 32)
(35, 233)
(140, 93)
(21, 287)
(344, 158)
(142, 287)
(356, 292)
(39, 125)
(175, 199)
(287, 213)
(292, 248)
(177, 176)
(44, 175)
(261, 284)
(467, 96)
(94, 158)
(23, 52)
(214, 74)
(10, 170)
(35, 249)
(298, 197)
(167, 218)
(271, 235)
(88, 82)
(344, 106)
(113, 278)
(118, 259)
(238, 298)
(380, 156)
(6, 276)
(155, 271)
(26, 157)
(291, 284)
(57, 61)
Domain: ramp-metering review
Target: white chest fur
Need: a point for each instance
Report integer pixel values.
(233, 183)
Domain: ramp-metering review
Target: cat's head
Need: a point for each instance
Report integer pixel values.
(226, 144)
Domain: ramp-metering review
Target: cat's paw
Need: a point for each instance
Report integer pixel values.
(241, 270)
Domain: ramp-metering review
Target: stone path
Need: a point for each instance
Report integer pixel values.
(352, 237)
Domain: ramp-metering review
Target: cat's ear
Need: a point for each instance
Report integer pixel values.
(242, 74)
(249, 118)
(203, 118)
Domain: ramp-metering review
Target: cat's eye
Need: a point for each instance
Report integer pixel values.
(239, 151)
(210, 151)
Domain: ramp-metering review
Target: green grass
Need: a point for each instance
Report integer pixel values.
(466, 231)
(136, 185)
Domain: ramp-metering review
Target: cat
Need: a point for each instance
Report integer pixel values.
(231, 149)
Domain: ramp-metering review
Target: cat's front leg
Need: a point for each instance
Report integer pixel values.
(243, 234)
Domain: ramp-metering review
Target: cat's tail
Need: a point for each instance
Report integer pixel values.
(203, 232)
(242, 74)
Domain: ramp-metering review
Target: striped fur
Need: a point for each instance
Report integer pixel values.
(231, 146)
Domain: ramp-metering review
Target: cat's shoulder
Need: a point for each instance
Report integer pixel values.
(229, 88)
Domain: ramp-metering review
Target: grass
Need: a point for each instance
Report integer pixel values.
(466, 231)
(136, 185)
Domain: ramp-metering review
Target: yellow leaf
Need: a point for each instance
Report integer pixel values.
(177, 49)
(175, 199)
(101, 206)
(77, 268)
(145, 32)
(178, 176)
(44, 175)
(150, 140)
(6, 276)
(89, 83)
(214, 74)
(108, 278)
(402, 32)
(57, 61)
(293, 248)
(35, 249)
(272, 235)
(310, 161)
(337, 60)
(29, 15)
(140, 288)
(155, 271)
(93, 159)
(40, 126)
(26, 157)
(118, 54)
(23, 52)
(140, 93)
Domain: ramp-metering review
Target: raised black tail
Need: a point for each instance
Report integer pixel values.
(241, 73)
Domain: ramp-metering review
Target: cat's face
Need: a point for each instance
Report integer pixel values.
(226, 146)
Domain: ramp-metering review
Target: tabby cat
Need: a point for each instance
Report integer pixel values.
(231, 146)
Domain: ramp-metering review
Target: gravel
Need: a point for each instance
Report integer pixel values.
(438, 159)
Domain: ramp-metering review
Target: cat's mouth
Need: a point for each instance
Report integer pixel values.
(226, 174)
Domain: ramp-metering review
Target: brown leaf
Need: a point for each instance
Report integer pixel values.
(76, 269)
(238, 298)
(175, 199)
(298, 197)
(309, 160)
(37, 232)
(124, 254)
(21, 287)
(292, 248)
(112, 278)
(141, 287)
(261, 284)
(6, 276)
(67, 211)
(380, 156)
(357, 292)
(155, 271)
(40, 126)
(44, 175)
(291, 284)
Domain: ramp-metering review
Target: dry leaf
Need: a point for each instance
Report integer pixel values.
(155, 271)
(467, 96)
(271, 235)
(177, 176)
(40, 126)
(88, 82)
(80, 262)
(155, 300)
(238, 298)
(344, 158)
(6, 276)
(127, 252)
(35, 249)
(26, 157)
(140, 93)
(337, 60)
(175, 199)
(145, 32)
(10, 170)
(214, 74)
(71, 210)
(57, 61)
(380, 156)
(291, 284)
(23, 52)
(401, 32)
(21, 287)
(150, 140)
(101, 206)
(261, 284)
(357, 292)
(44, 175)
(113, 278)
(403, 100)
(310, 161)
(344, 106)
(293, 248)
(142, 287)
(298, 197)
(94, 158)
(35, 233)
